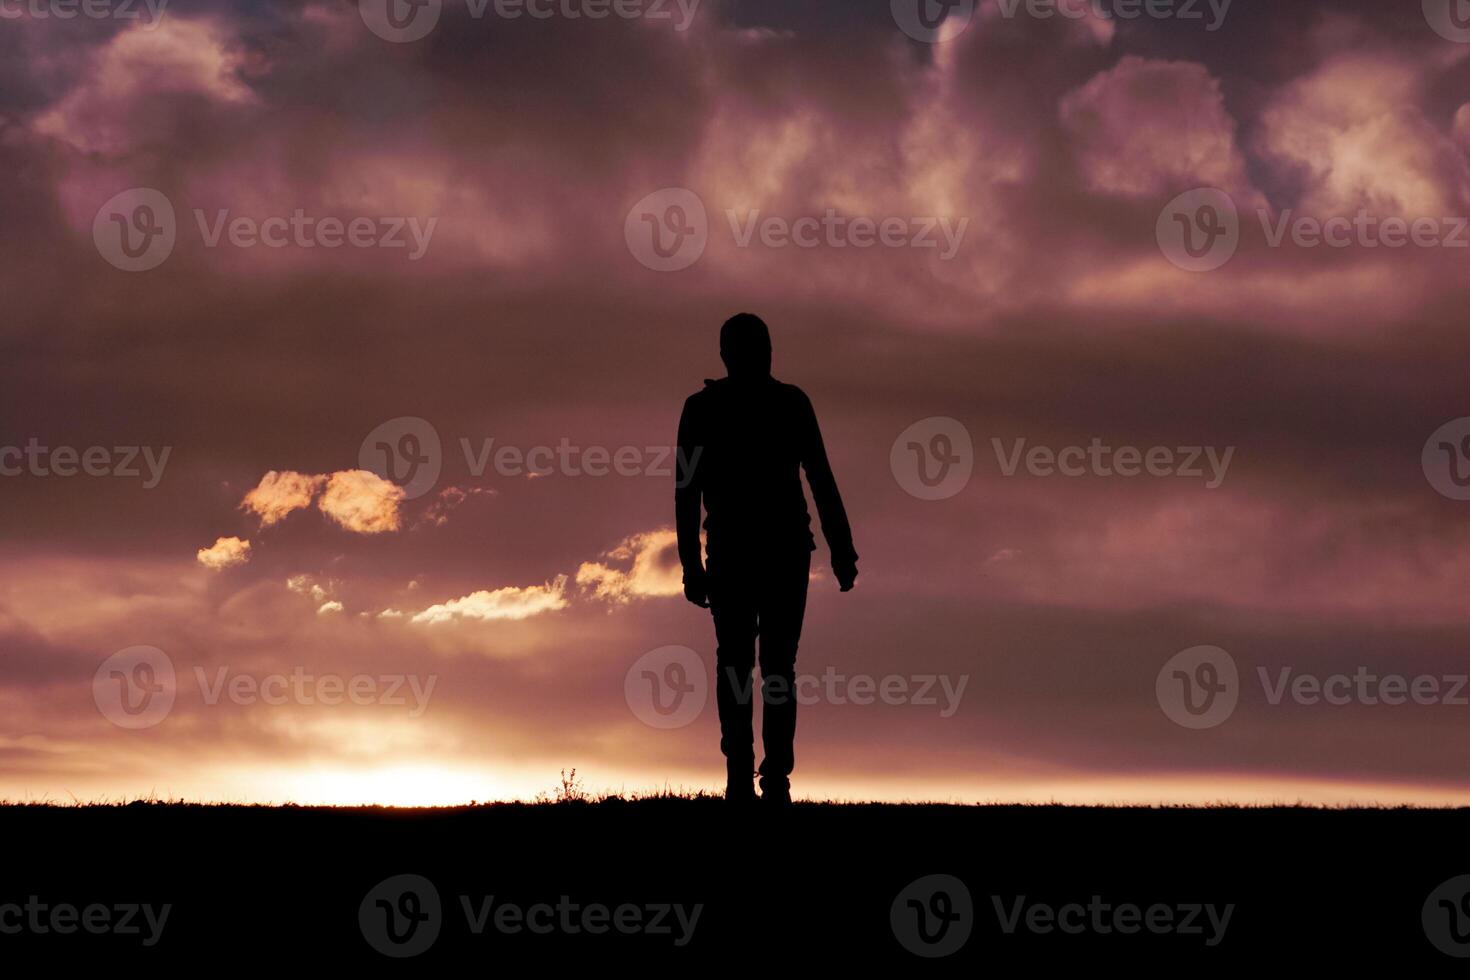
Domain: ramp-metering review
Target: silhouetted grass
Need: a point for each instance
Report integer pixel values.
(573, 796)
(818, 877)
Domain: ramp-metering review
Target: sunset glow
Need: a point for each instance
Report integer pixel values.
(341, 375)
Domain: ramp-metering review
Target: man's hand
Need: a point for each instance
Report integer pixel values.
(846, 572)
(696, 589)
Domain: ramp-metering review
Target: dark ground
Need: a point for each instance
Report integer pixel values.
(283, 887)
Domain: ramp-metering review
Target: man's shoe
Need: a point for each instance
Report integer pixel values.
(775, 792)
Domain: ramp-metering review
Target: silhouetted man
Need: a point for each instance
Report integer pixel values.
(742, 442)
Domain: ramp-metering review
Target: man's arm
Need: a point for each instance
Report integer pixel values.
(830, 511)
(688, 491)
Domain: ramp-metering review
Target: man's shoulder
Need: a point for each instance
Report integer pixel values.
(792, 397)
(703, 395)
(717, 388)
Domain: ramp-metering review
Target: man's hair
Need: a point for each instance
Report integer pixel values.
(743, 332)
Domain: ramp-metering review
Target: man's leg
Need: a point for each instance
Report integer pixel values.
(732, 602)
(782, 608)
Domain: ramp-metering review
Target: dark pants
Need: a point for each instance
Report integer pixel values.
(765, 597)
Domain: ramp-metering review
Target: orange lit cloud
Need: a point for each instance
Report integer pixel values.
(224, 553)
(280, 493)
(362, 502)
(449, 500)
(357, 500)
(506, 603)
(652, 568)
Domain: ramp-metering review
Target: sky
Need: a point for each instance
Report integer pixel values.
(344, 350)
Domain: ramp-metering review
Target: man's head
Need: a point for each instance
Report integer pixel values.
(745, 346)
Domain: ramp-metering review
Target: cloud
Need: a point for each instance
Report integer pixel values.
(1145, 127)
(357, 500)
(652, 569)
(362, 502)
(506, 603)
(280, 493)
(306, 585)
(224, 553)
(329, 607)
(1059, 319)
(114, 108)
(448, 500)
(1344, 561)
(1354, 134)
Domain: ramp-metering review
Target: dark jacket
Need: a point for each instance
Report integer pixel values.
(742, 443)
